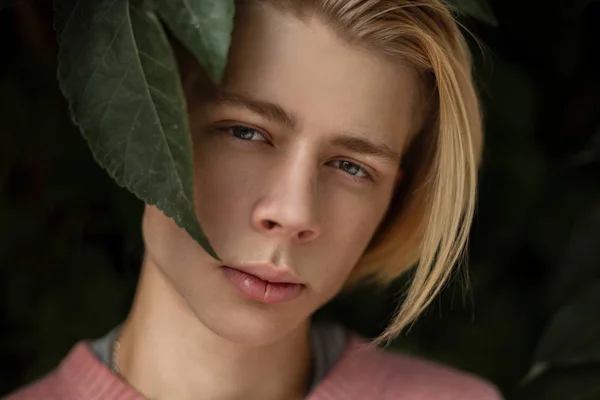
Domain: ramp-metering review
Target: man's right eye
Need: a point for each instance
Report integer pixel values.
(246, 133)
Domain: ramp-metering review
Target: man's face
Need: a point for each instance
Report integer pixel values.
(295, 163)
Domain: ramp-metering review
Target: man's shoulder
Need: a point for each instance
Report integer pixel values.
(41, 389)
(80, 375)
(400, 376)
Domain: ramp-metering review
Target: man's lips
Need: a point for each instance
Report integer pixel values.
(271, 286)
(267, 272)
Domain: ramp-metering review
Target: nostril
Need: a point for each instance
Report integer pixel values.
(268, 224)
(306, 235)
(303, 235)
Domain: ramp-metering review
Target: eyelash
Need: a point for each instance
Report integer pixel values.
(367, 176)
(230, 129)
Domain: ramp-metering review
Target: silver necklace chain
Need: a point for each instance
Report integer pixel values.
(115, 356)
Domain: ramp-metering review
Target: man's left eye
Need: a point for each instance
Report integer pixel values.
(350, 168)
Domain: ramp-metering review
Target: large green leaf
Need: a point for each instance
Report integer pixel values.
(573, 337)
(117, 70)
(203, 26)
(478, 9)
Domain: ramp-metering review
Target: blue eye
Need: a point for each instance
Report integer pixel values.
(351, 168)
(245, 133)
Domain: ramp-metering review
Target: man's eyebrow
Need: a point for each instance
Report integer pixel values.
(271, 111)
(278, 114)
(365, 146)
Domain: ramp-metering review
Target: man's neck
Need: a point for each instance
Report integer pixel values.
(166, 353)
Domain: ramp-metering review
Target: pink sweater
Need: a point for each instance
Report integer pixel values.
(362, 373)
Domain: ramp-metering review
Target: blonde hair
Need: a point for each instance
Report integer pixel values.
(429, 219)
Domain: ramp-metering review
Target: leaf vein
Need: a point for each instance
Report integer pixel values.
(112, 97)
(68, 21)
(128, 141)
(164, 96)
(101, 16)
(97, 66)
(156, 114)
(200, 32)
(154, 60)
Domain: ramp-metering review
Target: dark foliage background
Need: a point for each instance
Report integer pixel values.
(70, 242)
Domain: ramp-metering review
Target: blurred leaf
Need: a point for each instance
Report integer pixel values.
(589, 153)
(117, 70)
(573, 337)
(580, 258)
(478, 9)
(204, 27)
(7, 3)
(581, 383)
(582, 4)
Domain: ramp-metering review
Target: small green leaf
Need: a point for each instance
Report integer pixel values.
(573, 336)
(118, 72)
(478, 9)
(204, 27)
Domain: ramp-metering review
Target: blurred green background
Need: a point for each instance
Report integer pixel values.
(70, 242)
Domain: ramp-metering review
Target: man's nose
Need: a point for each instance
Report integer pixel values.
(288, 207)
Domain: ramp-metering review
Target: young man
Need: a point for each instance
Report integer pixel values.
(343, 143)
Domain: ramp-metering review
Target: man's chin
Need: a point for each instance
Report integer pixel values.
(249, 325)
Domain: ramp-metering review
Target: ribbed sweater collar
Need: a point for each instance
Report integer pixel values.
(81, 376)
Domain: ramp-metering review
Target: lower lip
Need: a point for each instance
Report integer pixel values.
(257, 289)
